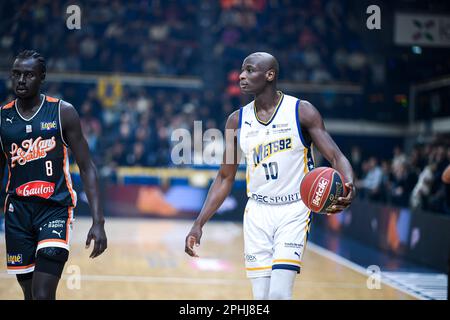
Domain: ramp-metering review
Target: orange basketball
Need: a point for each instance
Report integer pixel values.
(321, 187)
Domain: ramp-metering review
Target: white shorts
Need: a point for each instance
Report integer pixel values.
(274, 236)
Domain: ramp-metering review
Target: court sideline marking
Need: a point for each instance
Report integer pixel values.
(211, 281)
(178, 280)
(351, 265)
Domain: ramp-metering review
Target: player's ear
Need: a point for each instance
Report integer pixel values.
(43, 74)
(270, 75)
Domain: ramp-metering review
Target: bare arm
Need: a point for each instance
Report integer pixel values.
(314, 130)
(219, 189)
(73, 136)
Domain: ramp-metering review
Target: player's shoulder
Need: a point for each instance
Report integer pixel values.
(289, 98)
(68, 113)
(233, 119)
(8, 105)
(52, 99)
(307, 108)
(66, 105)
(58, 101)
(249, 105)
(67, 109)
(308, 114)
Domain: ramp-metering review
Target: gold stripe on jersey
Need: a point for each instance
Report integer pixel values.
(274, 112)
(259, 268)
(247, 178)
(305, 157)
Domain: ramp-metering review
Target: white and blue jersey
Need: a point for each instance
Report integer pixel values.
(276, 221)
(276, 154)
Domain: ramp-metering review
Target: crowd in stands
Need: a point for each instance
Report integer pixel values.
(412, 179)
(154, 37)
(138, 132)
(318, 42)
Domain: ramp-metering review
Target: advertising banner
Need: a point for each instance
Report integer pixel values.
(422, 29)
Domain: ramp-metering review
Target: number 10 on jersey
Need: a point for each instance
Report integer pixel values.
(271, 170)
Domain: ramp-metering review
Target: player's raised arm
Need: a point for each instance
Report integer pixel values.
(220, 188)
(73, 136)
(314, 130)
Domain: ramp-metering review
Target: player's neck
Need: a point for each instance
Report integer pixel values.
(267, 100)
(29, 103)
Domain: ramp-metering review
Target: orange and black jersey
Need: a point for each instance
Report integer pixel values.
(36, 154)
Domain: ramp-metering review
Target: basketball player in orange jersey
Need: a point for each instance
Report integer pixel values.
(275, 133)
(35, 133)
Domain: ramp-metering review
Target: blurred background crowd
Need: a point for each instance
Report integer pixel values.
(161, 37)
(411, 179)
(318, 42)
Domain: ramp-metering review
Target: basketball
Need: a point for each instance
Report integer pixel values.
(321, 188)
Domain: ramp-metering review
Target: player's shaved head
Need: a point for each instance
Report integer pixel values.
(265, 61)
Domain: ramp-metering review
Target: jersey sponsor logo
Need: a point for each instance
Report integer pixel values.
(263, 151)
(31, 150)
(276, 199)
(293, 245)
(14, 259)
(56, 224)
(42, 189)
(281, 128)
(49, 125)
(281, 125)
(58, 233)
(318, 193)
(251, 134)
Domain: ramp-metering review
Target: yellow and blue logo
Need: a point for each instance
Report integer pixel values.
(14, 259)
(49, 125)
(263, 151)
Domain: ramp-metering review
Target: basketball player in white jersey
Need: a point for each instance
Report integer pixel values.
(275, 133)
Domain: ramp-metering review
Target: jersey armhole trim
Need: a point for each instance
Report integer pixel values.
(239, 126)
(297, 118)
(60, 124)
(240, 117)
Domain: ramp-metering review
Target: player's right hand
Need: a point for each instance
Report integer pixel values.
(98, 234)
(193, 239)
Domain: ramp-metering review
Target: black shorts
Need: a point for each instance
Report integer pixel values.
(30, 226)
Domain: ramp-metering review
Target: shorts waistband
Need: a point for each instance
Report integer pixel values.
(35, 200)
(284, 199)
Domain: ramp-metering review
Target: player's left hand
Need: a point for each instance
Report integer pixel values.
(98, 234)
(343, 202)
(193, 239)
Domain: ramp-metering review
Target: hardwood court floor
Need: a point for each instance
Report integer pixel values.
(146, 260)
